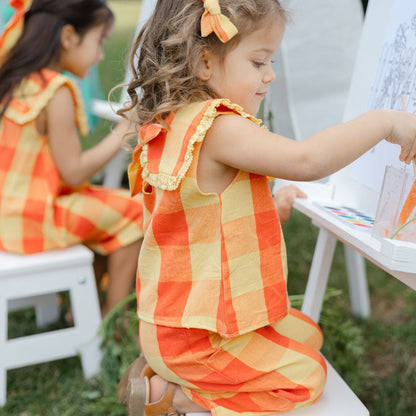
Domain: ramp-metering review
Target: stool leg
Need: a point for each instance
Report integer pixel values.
(91, 357)
(46, 307)
(84, 302)
(3, 386)
(47, 310)
(3, 340)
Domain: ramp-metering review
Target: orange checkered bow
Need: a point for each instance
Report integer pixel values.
(14, 27)
(214, 21)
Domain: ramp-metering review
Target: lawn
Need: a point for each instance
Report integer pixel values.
(376, 357)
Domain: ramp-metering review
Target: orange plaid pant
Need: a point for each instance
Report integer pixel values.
(273, 369)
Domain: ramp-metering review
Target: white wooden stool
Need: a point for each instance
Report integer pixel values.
(34, 280)
(337, 400)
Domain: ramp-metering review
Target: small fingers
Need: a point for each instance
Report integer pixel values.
(300, 194)
(407, 153)
(293, 192)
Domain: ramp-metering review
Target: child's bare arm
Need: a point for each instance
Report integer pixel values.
(74, 165)
(238, 143)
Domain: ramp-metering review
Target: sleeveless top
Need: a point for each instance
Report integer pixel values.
(211, 261)
(38, 211)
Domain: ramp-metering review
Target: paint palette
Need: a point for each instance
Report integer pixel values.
(350, 216)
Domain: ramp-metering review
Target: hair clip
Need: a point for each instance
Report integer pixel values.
(14, 27)
(214, 21)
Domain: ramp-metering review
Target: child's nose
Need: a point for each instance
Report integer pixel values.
(269, 75)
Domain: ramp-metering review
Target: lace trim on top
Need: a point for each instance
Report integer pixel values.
(165, 179)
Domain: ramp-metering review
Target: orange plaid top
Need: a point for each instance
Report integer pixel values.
(37, 210)
(211, 261)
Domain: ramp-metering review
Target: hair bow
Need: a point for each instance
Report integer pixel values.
(214, 21)
(14, 27)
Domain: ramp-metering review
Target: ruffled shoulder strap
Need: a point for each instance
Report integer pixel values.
(163, 156)
(34, 93)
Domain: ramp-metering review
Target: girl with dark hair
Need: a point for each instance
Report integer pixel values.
(45, 200)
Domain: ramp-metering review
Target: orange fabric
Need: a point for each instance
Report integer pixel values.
(214, 313)
(273, 369)
(14, 27)
(37, 210)
(226, 249)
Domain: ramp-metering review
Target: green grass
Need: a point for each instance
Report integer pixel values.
(376, 357)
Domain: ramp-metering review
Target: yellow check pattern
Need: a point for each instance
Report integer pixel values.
(273, 369)
(38, 211)
(226, 249)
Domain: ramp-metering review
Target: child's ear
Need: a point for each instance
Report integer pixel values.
(69, 37)
(205, 66)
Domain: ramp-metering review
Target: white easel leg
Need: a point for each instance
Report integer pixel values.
(357, 282)
(318, 274)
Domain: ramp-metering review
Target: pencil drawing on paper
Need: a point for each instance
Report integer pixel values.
(394, 77)
(396, 73)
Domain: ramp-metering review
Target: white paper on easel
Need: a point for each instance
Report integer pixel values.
(395, 76)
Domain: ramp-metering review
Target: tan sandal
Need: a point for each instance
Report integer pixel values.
(134, 388)
(133, 371)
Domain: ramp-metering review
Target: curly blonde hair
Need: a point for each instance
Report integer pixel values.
(166, 54)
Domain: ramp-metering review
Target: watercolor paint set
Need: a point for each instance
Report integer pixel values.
(350, 216)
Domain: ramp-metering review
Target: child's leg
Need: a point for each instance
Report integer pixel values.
(122, 265)
(100, 270)
(273, 369)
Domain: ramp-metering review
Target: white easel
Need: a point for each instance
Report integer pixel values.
(313, 75)
(396, 258)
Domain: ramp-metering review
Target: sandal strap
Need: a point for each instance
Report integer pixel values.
(164, 405)
(147, 371)
(138, 391)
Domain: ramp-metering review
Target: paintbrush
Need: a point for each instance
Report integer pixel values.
(410, 202)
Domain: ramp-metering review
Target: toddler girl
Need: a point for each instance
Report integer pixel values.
(45, 200)
(216, 326)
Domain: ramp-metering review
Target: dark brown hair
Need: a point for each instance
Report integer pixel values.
(39, 44)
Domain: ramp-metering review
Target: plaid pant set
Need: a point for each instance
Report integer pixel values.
(38, 211)
(212, 301)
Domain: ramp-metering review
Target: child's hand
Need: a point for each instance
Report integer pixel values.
(124, 125)
(124, 132)
(403, 133)
(283, 201)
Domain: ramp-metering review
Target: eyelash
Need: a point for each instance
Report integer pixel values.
(259, 64)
